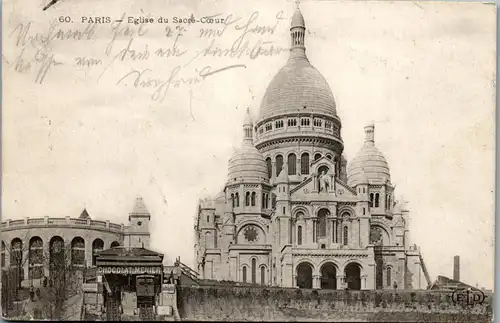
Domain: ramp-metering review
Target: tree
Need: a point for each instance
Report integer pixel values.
(17, 252)
(65, 263)
(65, 277)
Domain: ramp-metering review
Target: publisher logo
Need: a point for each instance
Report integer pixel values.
(468, 296)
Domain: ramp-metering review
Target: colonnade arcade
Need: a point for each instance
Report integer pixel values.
(328, 276)
(33, 255)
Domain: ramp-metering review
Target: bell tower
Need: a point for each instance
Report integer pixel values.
(138, 235)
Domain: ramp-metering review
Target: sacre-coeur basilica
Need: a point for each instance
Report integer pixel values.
(293, 211)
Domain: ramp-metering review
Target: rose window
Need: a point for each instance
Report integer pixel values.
(251, 234)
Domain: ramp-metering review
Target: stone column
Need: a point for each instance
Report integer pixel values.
(339, 232)
(294, 280)
(46, 258)
(88, 252)
(316, 282)
(340, 281)
(363, 281)
(315, 231)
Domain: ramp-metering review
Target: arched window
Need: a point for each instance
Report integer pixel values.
(266, 201)
(97, 246)
(279, 164)
(78, 251)
(244, 274)
(262, 275)
(290, 231)
(35, 258)
(345, 236)
(253, 198)
(371, 200)
(389, 206)
(215, 240)
(388, 276)
(377, 197)
(3, 255)
(329, 156)
(317, 156)
(322, 214)
(254, 270)
(16, 252)
(299, 235)
(292, 164)
(273, 201)
(263, 200)
(247, 199)
(304, 164)
(115, 244)
(237, 198)
(232, 199)
(269, 167)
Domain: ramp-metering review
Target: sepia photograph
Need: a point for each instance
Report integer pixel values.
(219, 160)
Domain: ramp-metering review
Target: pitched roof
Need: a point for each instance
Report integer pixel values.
(443, 282)
(140, 207)
(129, 252)
(84, 214)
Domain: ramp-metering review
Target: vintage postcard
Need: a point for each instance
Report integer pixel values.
(248, 160)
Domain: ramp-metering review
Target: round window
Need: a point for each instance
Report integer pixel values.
(251, 234)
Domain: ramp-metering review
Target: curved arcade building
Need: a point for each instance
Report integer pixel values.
(29, 242)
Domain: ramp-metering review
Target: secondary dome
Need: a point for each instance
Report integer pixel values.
(298, 84)
(369, 163)
(247, 163)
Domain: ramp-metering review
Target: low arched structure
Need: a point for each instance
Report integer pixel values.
(328, 278)
(352, 272)
(304, 275)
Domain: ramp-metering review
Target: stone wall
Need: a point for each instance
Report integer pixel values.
(230, 303)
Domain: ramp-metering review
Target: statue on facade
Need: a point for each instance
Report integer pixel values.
(324, 182)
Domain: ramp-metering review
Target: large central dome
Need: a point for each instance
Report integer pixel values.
(298, 84)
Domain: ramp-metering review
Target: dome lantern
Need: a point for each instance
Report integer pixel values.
(297, 35)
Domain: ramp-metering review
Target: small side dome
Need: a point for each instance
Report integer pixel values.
(247, 163)
(220, 198)
(369, 163)
(363, 179)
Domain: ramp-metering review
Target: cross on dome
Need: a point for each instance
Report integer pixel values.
(297, 2)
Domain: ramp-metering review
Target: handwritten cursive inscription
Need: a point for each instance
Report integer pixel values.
(137, 47)
(160, 87)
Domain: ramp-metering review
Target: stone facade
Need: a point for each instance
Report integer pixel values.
(292, 213)
(32, 237)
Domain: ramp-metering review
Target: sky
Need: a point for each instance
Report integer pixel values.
(96, 115)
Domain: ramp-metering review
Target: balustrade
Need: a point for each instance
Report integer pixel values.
(61, 221)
